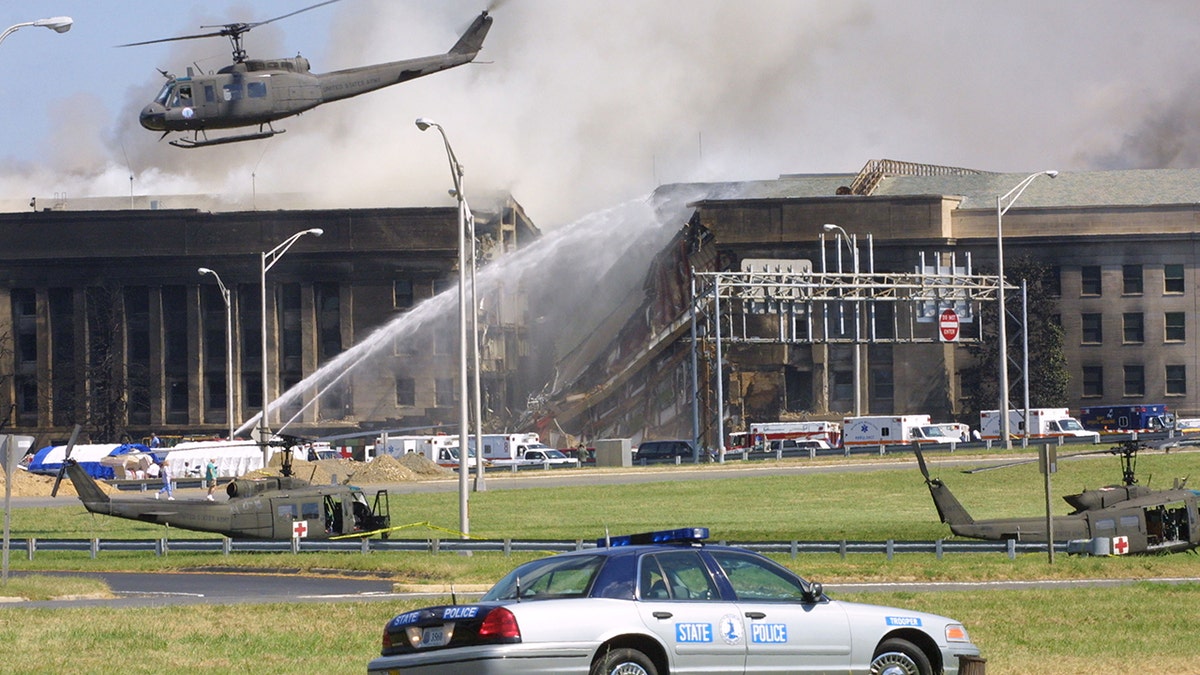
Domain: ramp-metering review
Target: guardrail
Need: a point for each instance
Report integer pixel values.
(226, 546)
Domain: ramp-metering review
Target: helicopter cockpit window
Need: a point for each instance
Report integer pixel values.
(165, 93)
(183, 96)
(256, 89)
(310, 511)
(233, 92)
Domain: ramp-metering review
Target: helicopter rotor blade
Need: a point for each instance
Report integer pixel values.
(66, 456)
(1031, 460)
(219, 33)
(256, 24)
(921, 462)
(233, 30)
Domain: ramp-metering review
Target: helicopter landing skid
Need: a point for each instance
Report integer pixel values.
(205, 142)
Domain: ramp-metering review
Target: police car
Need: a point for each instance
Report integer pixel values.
(662, 603)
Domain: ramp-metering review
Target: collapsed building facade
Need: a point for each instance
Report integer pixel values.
(1121, 245)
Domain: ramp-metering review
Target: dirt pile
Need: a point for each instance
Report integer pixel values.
(383, 469)
(27, 484)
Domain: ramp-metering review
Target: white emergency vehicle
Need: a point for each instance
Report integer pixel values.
(1042, 423)
(876, 430)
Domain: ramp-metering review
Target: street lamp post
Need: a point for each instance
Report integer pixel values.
(269, 258)
(1011, 197)
(456, 173)
(225, 295)
(58, 24)
(852, 244)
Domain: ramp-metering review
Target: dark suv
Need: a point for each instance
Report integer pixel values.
(651, 450)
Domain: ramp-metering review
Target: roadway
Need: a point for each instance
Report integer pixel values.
(157, 589)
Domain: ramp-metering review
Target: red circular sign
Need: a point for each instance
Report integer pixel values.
(948, 324)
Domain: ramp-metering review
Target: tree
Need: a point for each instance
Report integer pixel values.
(106, 382)
(6, 355)
(1048, 374)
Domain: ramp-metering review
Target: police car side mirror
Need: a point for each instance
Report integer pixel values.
(815, 592)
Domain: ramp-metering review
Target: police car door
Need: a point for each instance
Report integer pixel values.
(678, 601)
(784, 634)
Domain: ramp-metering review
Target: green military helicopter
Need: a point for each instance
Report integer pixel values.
(258, 92)
(1132, 518)
(276, 507)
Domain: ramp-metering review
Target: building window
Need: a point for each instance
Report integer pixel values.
(1093, 381)
(215, 396)
(444, 392)
(27, 397)
(842, 385)
(1133, 328)
(1092, 329)
(1131, 279)
(799, 389)
(1089, 280)
(406, 391)
(1054, 282)
(883, 386)
(1176, 380)
(1175, 327)
(1135, 381)
(328, 300)
(402, 294)
(1172, 279)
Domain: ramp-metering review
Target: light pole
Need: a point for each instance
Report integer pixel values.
(228, 347)
(58, 24)
(852, 244)
(269, 258)
(456, 173)
(1011, 196)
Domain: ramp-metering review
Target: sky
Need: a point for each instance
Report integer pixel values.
(576, 105)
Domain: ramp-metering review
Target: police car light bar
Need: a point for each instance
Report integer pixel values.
(683, 535)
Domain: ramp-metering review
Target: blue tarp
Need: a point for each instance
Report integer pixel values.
(49, 460)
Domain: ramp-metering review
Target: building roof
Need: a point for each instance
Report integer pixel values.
(979, 189)
(1141, 187)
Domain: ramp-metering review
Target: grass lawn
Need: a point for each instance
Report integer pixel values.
(1144, 628)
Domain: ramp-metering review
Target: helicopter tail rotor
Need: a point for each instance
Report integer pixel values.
(67, 455)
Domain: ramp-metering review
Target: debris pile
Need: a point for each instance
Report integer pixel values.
(27, 484)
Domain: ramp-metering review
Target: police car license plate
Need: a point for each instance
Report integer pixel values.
(433, 636)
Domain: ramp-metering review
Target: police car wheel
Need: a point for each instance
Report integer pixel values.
(623, 662)
(899, 657)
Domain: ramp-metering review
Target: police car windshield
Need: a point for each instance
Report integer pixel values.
(557, 577)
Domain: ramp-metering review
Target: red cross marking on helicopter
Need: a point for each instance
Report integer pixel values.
(300, 528)
(1121, 545)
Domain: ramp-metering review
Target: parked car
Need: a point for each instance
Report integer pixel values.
(798, 445)
(663, 602)
(656, 450)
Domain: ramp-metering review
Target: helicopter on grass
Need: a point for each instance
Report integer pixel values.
(261, 91)
(277, 507)
(1132, 518)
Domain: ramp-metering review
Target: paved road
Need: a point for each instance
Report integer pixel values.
(137, 589)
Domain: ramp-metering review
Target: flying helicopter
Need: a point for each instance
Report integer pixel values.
(1133, 518)
(276, 507)
(261, 91)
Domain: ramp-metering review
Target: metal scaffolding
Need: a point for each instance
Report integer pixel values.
(773, 301)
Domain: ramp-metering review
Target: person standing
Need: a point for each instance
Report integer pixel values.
(155, 441)
(210, 477)
(165, 472)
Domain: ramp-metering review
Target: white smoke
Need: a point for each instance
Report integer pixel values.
(578, 105)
